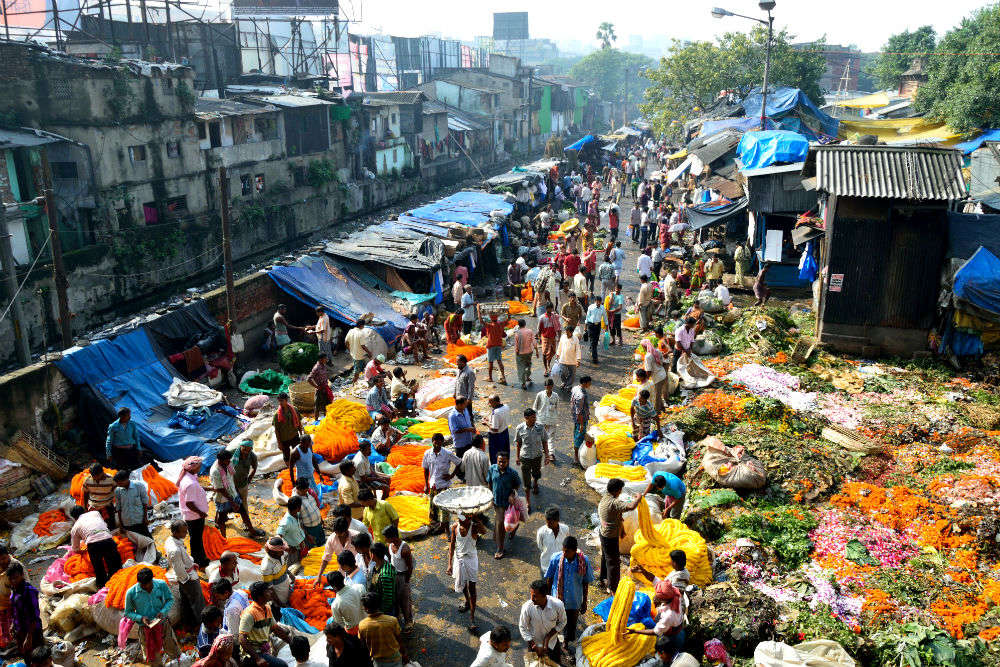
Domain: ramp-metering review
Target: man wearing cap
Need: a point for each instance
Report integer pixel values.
(374, 369)
(274, 570)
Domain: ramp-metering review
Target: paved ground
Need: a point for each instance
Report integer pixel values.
(441, 636)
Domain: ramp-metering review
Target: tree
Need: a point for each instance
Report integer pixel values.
(963, 73)
(614, 75)
(692, 77)
(606, 34)
(898, 53)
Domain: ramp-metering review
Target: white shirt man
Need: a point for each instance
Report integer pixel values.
(535, 622)
(644, 265)
(549, 543)
(346, 607)
(568, 352)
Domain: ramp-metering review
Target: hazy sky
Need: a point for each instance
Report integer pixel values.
(866, 23)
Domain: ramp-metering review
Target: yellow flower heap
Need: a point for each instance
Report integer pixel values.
(653, 545)
(613, 648)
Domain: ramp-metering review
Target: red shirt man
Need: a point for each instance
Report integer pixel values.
(571, 265)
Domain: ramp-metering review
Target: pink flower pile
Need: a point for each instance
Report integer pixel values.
(837, 528)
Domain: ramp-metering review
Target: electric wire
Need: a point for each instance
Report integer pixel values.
(26, 276)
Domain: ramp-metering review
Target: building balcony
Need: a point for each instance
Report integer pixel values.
(237, 154)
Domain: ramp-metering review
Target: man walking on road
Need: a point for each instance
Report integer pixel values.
(595, 316)
(579, 404)
(524, 345)
(548, 331)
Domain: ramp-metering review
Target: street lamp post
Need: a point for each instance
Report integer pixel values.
(767, 6)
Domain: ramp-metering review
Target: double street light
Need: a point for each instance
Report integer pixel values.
(767, 6)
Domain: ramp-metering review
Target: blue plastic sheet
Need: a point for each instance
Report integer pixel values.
(296, 619)
(968, 231)
(586, 141)
(127, 372)
(465, 208)
(783, 102)
(978, 283)
(641, 610)
(743, 124)
(763, 149)
(318, 282)
(971, 145)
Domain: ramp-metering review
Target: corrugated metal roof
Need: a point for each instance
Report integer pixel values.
(890, 172)
(387, 98)
(293, 101)
(207, 108)
(28, 137)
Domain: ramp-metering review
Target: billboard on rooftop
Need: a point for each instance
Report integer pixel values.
(285, 7)
(510, 25)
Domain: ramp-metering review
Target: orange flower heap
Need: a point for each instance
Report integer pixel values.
(314, 603)
(722, 408)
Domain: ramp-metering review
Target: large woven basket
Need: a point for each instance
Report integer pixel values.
(28, 449)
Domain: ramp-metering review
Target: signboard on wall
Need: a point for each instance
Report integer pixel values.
(510, 25)
(285, 7)
(836, 282)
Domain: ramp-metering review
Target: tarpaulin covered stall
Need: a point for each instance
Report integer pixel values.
(465, 208)
(389, 245)
(792, 110)
(129, 371)
(763, 149)
(968, 231)
(318, 282)
(977, 286)
(704, 215)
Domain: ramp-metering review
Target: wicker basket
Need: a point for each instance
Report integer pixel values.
(850, 439)
(303, 397)
(28, 449)
(14, 489)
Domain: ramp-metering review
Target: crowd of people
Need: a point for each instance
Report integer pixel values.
(578, 302)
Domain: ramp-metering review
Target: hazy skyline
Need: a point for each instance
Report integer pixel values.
(862, 22)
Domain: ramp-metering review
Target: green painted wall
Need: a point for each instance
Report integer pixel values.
(545, 111)
(579, 103)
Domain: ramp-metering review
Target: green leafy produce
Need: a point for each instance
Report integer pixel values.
(298, 358)
(858, 552)
(737, 614)
(915, 645)
(717, 498)
(764, 409)
(695, 423)
(784, 528)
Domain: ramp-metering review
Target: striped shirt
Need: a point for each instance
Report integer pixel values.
(309, 515)
(99, 494)
(256, 622)
(384, 583)
(274, 571)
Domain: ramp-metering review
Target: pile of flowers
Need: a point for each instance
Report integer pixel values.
(838, 528)
(723, 408)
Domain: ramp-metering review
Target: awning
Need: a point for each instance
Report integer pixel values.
(586, 141)
(678, 155)
(873, 101)
(319, 282)
(713, 213)
(901, 131)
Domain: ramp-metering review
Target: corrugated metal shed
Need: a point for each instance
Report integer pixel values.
(779, 192)
(28, 137)
(890, 172)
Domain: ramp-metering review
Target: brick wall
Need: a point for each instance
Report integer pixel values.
(257, 297)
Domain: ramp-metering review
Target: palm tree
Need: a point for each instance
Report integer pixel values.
(606, 33)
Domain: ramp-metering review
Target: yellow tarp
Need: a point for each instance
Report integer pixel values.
(901, 131)
(873, 101)
(678, 155)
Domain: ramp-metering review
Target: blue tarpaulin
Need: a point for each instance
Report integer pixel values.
(784, 102)
(971, 145)
(968, 231)
(466, 208)
(128, 372)
(977, 285)
(318, 282)
(763, 149)
(742, 124)
(587, 140)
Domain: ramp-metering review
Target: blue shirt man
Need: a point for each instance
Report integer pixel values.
(458, 420)
(122, 433)
(576, 573)
(618, 259)
(502, 480)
